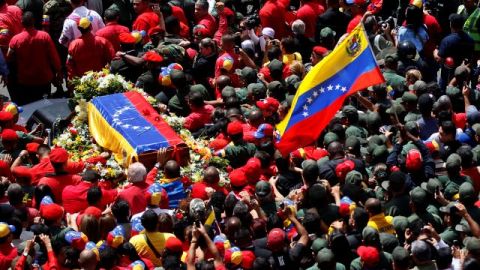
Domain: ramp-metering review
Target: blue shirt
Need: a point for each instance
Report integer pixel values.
(418, 39)
(427, 127)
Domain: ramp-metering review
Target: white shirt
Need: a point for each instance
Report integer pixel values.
(70, 30)
(157, 211)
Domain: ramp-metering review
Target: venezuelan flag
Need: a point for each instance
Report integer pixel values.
(128, 125)
(350, 67)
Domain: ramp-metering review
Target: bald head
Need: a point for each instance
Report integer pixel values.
(87, 260)
(233, 225)
(211, 175)
(223, 81)
(335, 149)
(373, 206)
(255, 118)
(172, 169)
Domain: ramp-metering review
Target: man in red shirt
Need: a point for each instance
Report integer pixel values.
(200, 115)
(74, 197)
(202, 17)
(88, 52)
(309, 13)
(147, 18)
(272, 15)
(204, 189)
(134, 193)
(36, 61)
(10, 24)
(58, 180)
(358, 9)
(112, 29)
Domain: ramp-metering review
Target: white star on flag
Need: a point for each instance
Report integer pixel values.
(309, 100)
(322, 90)
(315, 93)
(344, 89)
(305, 107)
(305, 114)
(337, 87)
(330, 87)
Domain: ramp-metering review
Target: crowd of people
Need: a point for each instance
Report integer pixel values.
(391, 183)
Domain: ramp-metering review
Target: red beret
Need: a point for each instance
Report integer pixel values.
(252, 170)
(248, 257)
(173, 244)
(200, 30)
(268, 103)
(58, 155)
(126, 38)
(153, 57)
(51, 211)
(369, 256)
(155, 30)
(9, 135)
(22, 172)
(32, 147)
(276, 239)
(414, 160)
(319, 50)
(199, 192)
(234, 128)
(94, 211)
(238, 178)
(343, 169)
(5, 116)
(4, 169)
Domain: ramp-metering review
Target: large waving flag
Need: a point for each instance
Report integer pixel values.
(128, 125)
(350, 67)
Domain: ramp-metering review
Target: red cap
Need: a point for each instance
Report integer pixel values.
(9, 135)
(248, 257)
(94, 211)
(32, 147)
(200, 30)
(414, 160)
(155, 30)
(449, 62)
(126, 38)
(199, 192)
(22, 172)
(343, 168)
(51, 211)
(58, 155)
(5, 116)
(268, 104)
(369, 255)
(252, 170)
(344, 210)
(238, 178)
(276, 239)
(234, 128)
(319, 50)
(153, 57)
(173, 244)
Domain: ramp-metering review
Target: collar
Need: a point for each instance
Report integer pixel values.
(168, 180)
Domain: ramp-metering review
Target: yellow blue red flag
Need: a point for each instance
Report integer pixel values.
(350, 67)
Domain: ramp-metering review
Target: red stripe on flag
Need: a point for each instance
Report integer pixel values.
(148, 113)
(306, 132)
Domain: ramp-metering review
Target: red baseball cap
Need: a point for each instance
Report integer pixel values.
(173, 244)
(234, 128)
(252, 170)
(248, 257)
(276, 239)
(264, 130)
(152, 57)
(268, 104)
(199, 192)
(32, 148)
(51, 211)
(126, 38)
(343, 169)
(238, 178)
(369, 255)
(5, 116)
(414, 160)
(58, 155)
(9, 135)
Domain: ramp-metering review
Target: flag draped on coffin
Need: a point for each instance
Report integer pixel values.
(128, 125)
(350, 67)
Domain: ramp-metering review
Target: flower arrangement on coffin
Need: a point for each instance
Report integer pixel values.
(101, 83)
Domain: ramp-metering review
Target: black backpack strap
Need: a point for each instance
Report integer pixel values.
(150, 245)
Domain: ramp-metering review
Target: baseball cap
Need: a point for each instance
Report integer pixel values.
(431, 185)
(264, 130)
(369, 255)
(466, 191)
(263, 189)
(234, 128)
(84, 22)
(268, 104)
(58, 155)
(325, 255)
(417, 86)
(421, 250)
(448, 209)
(414, 160)
(370, 235)
(396, 181)
(418, 195)
(276, 239)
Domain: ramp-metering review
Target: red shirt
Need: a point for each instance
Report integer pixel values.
(58, 182)
(134, 195)
(110, 32)
(179, 14)
(145, 21)
(74, 197)
(210, 24)
(33, 67)
(272, 15)
(198, 118)
(7, 254)
(249, 133)
(474, 174)
(434, 34)
(87, 53)
(198, 190)
(309, 13)
(10, 24)
(460, 120)
(45, 167)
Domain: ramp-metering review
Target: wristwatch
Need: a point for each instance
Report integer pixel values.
(25, 253)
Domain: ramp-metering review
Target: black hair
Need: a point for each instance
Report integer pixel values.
(149, 220)
(28, 20)
(111, 14)
(121, 211)
(274, 53)
(288, 45)
(448, 127)
(172, 25)
(108, 258)
(127, 249)
(230, 202)
(311, 222)
(196, 99)
(465, 152)
(361, 218)
(94, 195)
(42, 191)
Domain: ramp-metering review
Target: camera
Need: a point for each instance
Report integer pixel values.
(252, 21)
(390, 21)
